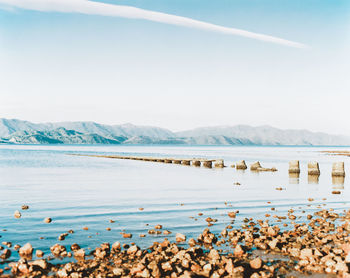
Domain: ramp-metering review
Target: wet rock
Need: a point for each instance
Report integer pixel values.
(47, 220)
(256, 263)
(80, 253)
(5, 254)
(39, 253)
(17, 214)
(74, 247)
(232, 214)
(26, 251)
(238, 252)
(214, 254)
(132, 250)
(25, 207)
(125, 235)
(180, 237)
(116, 247)
(58, 250)
(40, 263)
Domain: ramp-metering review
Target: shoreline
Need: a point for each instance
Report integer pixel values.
(321, 245)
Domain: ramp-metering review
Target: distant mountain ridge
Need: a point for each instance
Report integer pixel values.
(23, 132)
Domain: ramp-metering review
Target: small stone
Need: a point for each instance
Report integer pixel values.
(256, 263)
(238, 252)
(47, 220)
(116, 246)
(17, 214)
(80, 253)
(26, 250)
(25, 207)
(5, 254)
(180, 237)
(39, 253)
(232, 214)
(74, 247)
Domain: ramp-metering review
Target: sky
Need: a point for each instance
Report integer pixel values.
(178, 64)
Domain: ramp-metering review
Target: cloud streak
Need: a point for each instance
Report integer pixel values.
(104, 9)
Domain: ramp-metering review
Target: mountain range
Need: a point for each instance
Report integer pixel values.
(23, 132)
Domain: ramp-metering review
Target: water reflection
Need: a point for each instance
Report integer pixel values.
(294, 178)
(313, 179)
(338, 182)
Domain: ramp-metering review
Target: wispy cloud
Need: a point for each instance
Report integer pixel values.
(104, 9)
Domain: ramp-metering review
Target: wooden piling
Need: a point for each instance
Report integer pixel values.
(219, 163)
(338, 169)
(294, 167)
(255, 166)
(207, 164)
(241, 165)
(313, 169)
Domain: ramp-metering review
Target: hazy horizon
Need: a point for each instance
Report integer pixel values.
(177, 65)
(175, 130)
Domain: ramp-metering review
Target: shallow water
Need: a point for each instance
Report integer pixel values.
(78, 191)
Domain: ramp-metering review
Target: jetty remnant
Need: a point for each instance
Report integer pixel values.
(255, 166)
(219, 163)
(241, 165)
(258, 168)
(338, 169)
(313, 169)
(196, 163)
(294, 167)
(207, 163)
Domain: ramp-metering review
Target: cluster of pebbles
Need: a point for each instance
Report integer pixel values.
(257, 249)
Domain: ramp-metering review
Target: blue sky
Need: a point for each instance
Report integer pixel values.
(58, 66)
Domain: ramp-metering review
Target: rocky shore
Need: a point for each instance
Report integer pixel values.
(257, 249)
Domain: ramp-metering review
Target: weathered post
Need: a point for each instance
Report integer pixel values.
(241, 165)
(207, 164)
(294, 167)
(219, 163)
(255, 166)
(313, 169)
(338, 169)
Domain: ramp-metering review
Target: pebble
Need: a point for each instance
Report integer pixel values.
(47, 220)
(17, 214)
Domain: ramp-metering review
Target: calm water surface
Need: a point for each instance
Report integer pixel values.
(78, 191)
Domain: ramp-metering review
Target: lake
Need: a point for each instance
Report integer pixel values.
(81, 191)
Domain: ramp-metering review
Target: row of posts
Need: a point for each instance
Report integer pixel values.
(338, 169)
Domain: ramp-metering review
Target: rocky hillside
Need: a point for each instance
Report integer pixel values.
(23, 132)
